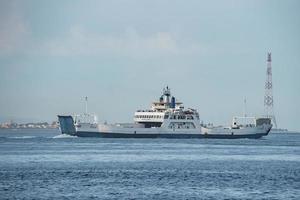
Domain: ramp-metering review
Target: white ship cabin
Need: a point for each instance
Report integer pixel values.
(85, 120)
(169, 113)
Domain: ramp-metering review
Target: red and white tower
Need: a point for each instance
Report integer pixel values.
(268, 100)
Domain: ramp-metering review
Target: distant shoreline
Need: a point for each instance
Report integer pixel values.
(31, 125)
(29, 128)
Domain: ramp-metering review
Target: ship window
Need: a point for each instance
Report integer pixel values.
(166, 116)
(179, 125)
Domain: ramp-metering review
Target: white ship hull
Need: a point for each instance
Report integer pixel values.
(245, 131)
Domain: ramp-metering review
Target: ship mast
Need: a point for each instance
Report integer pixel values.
(167, 94)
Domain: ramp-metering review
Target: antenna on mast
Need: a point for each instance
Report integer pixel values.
(245, 107)
(86, 105)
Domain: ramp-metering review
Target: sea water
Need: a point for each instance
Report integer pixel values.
(42, 164)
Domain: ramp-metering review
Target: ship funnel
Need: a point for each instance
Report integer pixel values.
(173, 103)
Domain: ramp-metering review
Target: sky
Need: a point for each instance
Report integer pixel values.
(212, 54)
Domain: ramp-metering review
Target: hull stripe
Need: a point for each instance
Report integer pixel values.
(175, 136)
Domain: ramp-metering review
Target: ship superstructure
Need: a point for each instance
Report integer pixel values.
(168, 113)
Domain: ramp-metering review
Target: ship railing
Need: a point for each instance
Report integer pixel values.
(245, 121)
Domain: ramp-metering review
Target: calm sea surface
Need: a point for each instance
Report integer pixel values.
(41, 164)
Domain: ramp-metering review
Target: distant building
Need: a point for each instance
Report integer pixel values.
(42, 125)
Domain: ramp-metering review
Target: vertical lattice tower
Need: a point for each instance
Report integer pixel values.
(268, 100)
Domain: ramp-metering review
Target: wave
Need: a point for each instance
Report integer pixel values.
(64, 136)
(22, 137)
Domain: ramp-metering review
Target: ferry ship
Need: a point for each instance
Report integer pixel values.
(167, 118)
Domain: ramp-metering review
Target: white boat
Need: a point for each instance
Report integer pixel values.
(167, 118)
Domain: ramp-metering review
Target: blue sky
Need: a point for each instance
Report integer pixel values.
(120, 54)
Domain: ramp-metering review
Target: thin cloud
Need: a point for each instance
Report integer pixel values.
(81, 42)
(13, 29)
